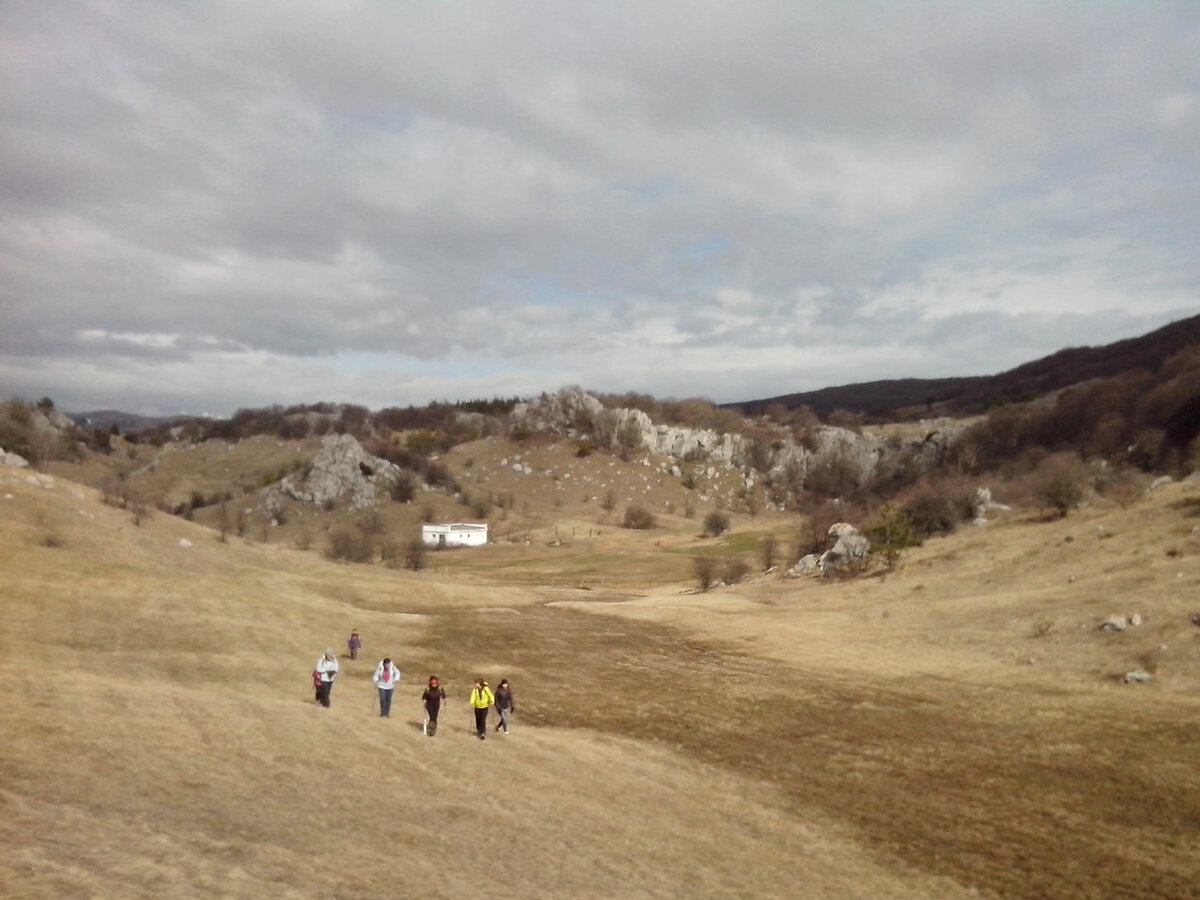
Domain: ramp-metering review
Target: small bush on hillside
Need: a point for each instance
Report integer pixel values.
(844, 418)
(348, 543)
(931, 514)
(735, 570)
(705, 570)
(836, 475)
(1060, 487)
(16, 429)
(609, 503)
(639, 517)
(891, 533)
(422, 442)
(389, 552)
(415, 553)
(767, 551)
(437, 475)
(716, 523)
(403, 489)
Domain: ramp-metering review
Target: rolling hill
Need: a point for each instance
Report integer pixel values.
(971, 395)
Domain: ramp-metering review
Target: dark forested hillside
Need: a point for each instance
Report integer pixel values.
(964, 396)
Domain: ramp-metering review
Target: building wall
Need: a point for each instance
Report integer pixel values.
(443, 536)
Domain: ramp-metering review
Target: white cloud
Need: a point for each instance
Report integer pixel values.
(224, 204)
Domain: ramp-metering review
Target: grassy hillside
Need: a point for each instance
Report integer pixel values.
(955, 728)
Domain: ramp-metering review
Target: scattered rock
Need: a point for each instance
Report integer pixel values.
(1135, 620)
(1113, 623)
(806, 565)
(12, 459)
(185, 544)
(1138, 676)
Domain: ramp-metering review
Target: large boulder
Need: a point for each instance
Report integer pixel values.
(341, 472)
(12, 459)
(849, 551)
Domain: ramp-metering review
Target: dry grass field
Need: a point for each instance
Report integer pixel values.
(956, 728)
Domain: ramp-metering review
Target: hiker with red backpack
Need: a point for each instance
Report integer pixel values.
(326, 670)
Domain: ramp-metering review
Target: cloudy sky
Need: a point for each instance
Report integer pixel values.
(208, 205)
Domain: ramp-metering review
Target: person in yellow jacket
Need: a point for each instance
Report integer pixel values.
(482, 699)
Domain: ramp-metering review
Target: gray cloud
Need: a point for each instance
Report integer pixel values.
(207, 206)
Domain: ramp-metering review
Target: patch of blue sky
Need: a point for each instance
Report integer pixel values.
(706, 248)
(548, 289)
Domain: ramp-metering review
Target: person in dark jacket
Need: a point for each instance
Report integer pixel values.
(432, 698)
(505, 705)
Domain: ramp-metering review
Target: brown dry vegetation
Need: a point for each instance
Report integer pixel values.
(954, 728)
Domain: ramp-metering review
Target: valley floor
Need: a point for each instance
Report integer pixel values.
(957, 728)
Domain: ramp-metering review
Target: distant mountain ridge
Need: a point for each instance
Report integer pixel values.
(974, 394)
(127, 423)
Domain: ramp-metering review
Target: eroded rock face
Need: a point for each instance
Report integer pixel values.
(577, 414)
(341, 472)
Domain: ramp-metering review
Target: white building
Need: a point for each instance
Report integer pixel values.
(458, 534)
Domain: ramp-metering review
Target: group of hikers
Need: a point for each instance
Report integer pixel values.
(388, 675)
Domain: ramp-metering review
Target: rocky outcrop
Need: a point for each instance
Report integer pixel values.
(982, 504)
(848, 553)
(342, 472)
(12, 459)
(576, 414)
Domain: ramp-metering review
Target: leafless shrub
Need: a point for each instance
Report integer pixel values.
(736, 569)
(639, 517)
(347, 542)
(716, 523)
(415, 553)
(705, 570)
(767, 551)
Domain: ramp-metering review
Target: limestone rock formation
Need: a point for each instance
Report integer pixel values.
(576, 414)
(341, 472)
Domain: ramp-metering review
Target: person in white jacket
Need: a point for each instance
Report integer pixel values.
(385, 678)
(326, 669)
